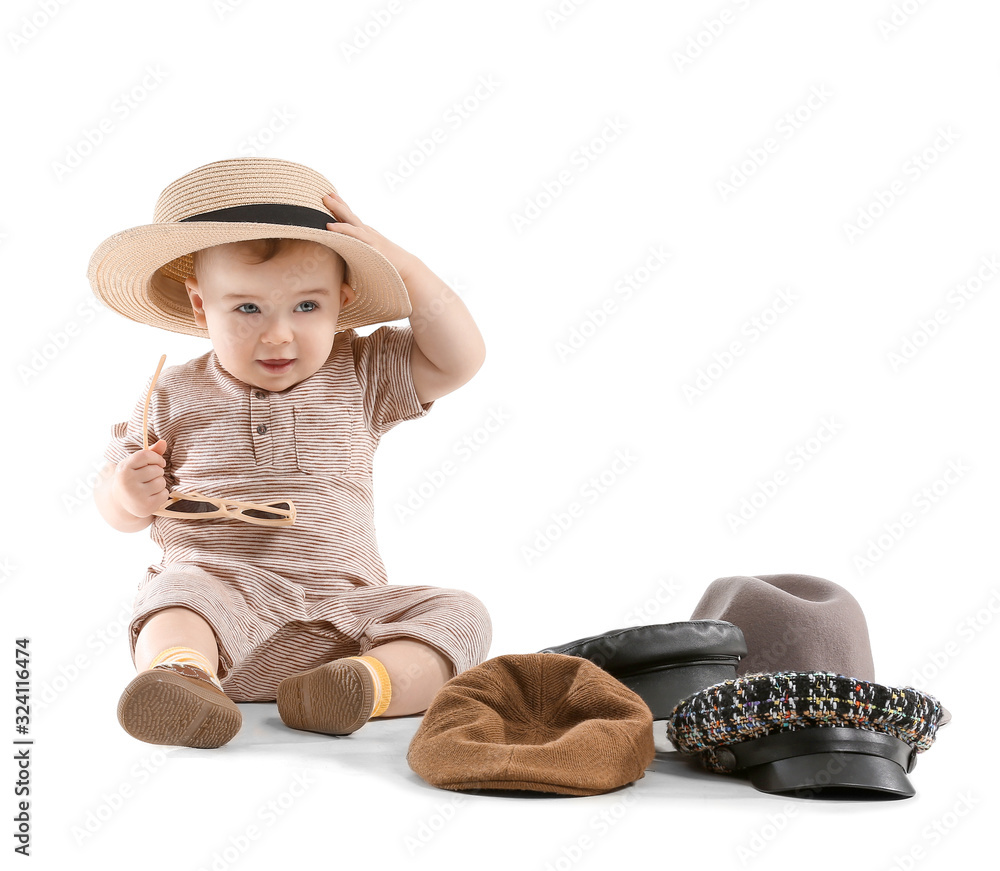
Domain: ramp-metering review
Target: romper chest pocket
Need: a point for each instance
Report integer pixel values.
(324, 439)
(209, 445)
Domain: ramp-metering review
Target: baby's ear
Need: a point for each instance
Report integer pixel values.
(197, 303)
(346, 295)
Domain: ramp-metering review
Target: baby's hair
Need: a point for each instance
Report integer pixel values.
(261, 250)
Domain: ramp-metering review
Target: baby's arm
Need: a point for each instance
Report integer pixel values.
(448, 348)
(127, 494)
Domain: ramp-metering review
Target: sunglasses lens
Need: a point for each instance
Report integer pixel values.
(267, 515)
(189, 506)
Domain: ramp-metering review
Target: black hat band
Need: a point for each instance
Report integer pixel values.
(268, 213)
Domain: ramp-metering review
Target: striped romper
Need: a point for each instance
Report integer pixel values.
(285, 599)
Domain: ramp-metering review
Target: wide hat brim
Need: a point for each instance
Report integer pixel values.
(140, 272)
(127, 272)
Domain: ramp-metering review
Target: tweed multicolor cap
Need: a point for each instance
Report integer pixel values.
(757, 705)
(539, 722)
(140, 272)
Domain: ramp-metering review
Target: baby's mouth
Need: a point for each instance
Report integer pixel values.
(277, 365)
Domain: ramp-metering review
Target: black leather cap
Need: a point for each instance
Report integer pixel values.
(665, 662)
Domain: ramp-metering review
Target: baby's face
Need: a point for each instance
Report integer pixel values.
(273, 323)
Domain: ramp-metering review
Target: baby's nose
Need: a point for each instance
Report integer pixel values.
(276, 331)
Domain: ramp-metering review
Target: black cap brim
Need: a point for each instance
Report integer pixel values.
(833, 776)
(826, 762)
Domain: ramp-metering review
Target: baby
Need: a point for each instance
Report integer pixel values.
(267, 260)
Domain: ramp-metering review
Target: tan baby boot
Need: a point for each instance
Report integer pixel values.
(179, 701)
(336, 698)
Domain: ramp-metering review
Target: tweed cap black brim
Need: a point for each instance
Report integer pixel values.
(833, 713)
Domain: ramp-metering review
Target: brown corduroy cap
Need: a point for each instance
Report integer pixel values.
(541, 722)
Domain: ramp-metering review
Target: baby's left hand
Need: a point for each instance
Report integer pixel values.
(350, 225)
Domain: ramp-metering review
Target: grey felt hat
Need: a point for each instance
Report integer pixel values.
(792, 623)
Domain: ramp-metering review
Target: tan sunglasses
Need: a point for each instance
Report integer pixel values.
(197, 506)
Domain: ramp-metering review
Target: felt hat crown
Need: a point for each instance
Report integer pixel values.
(140, 272)
(792, 623)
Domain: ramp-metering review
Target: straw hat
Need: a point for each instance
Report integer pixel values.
(140, 272)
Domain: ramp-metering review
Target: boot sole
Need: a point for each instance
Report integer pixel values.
(334, 699)
(160, 707)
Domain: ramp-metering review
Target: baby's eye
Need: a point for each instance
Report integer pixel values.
(308, 302)
(248, 305)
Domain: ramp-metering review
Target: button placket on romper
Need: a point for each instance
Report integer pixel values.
(261, 431)
(271, 429)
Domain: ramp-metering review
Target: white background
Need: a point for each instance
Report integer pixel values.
(645, 112)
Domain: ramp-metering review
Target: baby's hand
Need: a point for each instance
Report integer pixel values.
(139, 483)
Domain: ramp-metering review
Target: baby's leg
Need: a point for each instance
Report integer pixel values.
(175, 627)
(414, 639)
(176, 697)
(337, 698)
(416, 672)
